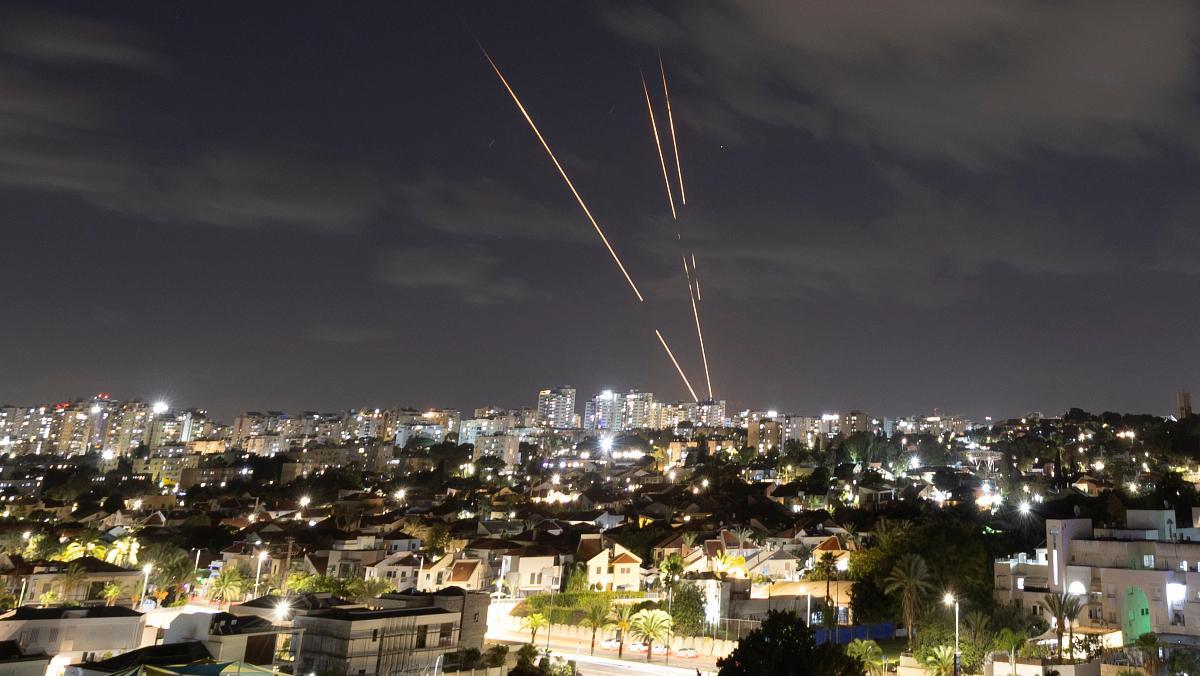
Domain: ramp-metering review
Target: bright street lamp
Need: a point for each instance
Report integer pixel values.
(145, 582)
(400, 494)
(1024, 507)
(950, 600)
(161, 407)
(262, 556)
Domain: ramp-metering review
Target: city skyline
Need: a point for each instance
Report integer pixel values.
(202, 208)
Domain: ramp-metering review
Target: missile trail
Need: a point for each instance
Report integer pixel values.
(676, 363)
(671, 124)
(699, 333)
(658, 146)
(562, 172)
(697, 276)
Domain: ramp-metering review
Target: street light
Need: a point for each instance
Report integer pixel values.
(950, 600)
(262, 556)
(145, 582)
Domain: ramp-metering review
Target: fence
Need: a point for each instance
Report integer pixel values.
(839, 634)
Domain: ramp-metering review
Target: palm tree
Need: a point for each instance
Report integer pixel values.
(688, 540)
(825, 567)
(173, 567)
(1147, 643)
(532, 623)
(742, 535)
(911, 580)
(621, 620)
(228, 583)
(595, 617)
(1070, 614)
(71, 577)
(1010, 642)
(869, 653)
(1060, 606)
(12, 542)
(650, 626)
(941, 661)
(111, 592)
(123, 551)
(374, 588)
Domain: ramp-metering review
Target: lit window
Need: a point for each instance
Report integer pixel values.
(1020, 583)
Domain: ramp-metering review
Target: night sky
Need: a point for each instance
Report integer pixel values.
(985, 208)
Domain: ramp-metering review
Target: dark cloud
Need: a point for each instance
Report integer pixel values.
(60, 137)
(465, 273)
(976, 82)
(487, 208)
(929, 248)
(73, 40)
(346, 333)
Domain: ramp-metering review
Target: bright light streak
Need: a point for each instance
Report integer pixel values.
(671, 124)
(696, 276)
(562, 172)
(658, 146)
(676, 363)
(699, 333)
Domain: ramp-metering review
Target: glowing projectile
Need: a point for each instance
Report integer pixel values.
(671, 124)
(699, 333)
(676, 363)
(562, 172)
(658, 146)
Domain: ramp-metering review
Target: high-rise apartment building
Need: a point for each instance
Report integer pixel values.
(602, 413)
(556, 407)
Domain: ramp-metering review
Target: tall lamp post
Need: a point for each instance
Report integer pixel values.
(145, 582)
(950, 600)
(262, 556)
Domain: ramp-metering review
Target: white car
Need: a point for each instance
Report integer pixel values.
(660, 649)
(638, 647)
(687, 653)
(610, 644)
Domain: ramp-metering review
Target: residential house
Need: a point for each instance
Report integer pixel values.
(610, 566)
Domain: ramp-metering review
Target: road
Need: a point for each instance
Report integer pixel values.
(605, 662)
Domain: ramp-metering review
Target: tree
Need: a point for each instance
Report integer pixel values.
(495, 656)
(172, 566)
(743, 535)
(374, 588)
(1147, 643)
(12, 542)
(595, 617)
(650, 626)
(532, 623)
(621, 620)
(687, 610)
(227, 585)
(111, 592)
(941, 661)
(71, 577)
(1060, 606)
(910, 579)
(670, 568)
(1070, 614)
(123, 551)
(784, 645)
(1010, 642)
(869, 653)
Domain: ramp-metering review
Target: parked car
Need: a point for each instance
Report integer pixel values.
(687, 653)
(638, 647)
(660, 649)
(610, 644)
